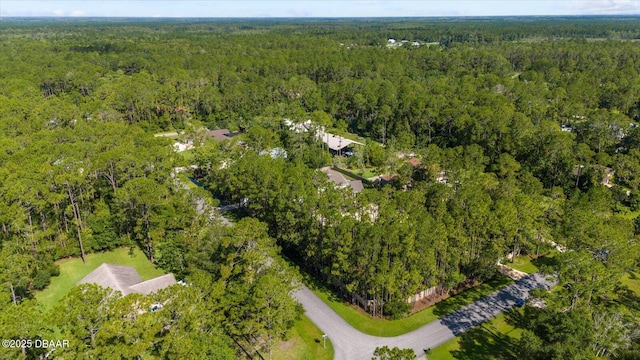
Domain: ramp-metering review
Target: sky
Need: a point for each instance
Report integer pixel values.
(313, 8)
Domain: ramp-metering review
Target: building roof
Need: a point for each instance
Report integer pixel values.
(221, 134)
(356, 185)
(276, 153)
(153, 285)
(388, 177)
(414, 162)
(336, 142)
(299, 127)
(334, 176)
(340, 181)
(126, 279)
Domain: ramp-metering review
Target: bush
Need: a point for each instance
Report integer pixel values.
(54, 269)
(396, 309)
(41, 280)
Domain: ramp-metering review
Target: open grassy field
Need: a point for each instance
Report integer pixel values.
(522, 263)
(363, 322)
(73, 270)
(305, 343)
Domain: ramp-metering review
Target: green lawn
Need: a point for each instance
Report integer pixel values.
(368, 174)
(632, 282)
(387, 328)
(188, 155)
(167, 134)
(522, 263)
(347, 135)
(364, 173)
(494, 339)
(305, 343)
(630, 215)
(73, 270)
(547, 261)
(185, 179)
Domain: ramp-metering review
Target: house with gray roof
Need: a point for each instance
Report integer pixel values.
(336, 143)
(341, 182)
(126, 280)
(221, 134)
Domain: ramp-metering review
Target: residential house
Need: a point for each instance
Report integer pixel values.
(221, 134)
(341, 182)
(126, 280)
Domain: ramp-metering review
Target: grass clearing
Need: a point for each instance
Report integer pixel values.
(186, 180)
(188, 155)
(363, 322)
(347, 135)
(546, 261)
(632, 282)
(305, 343)
(167, 134)
(522, 263)
(495, 339)
(73, 270)
(366, 173)
(629, 215)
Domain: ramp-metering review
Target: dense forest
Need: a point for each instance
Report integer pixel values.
(526, 130)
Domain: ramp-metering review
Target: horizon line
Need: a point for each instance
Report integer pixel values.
(314, 17)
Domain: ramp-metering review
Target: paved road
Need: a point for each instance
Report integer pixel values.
(351, 344)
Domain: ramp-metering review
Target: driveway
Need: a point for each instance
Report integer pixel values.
(351, 344)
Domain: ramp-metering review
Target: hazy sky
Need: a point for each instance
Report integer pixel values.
(314, 8)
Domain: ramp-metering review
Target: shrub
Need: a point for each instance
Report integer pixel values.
(396, 309)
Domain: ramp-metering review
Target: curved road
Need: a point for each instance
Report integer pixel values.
(351, 344)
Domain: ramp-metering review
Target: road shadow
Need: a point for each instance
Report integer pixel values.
(482, 343)
(490, 306)
(235, 215)
(194, 181)
(466, 297)
(515, 317)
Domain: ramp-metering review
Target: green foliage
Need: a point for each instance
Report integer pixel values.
(395, 353)
(100, 323)
(375, 155)
(396, 309)
(482, 106)
(306, 343)
(24, 322)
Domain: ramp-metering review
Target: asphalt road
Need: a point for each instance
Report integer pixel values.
(351, 344)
